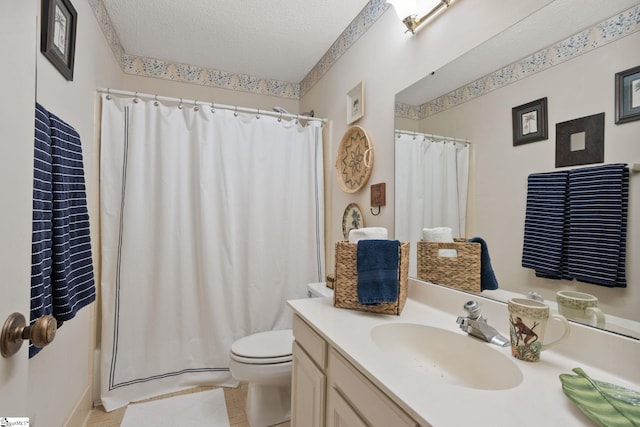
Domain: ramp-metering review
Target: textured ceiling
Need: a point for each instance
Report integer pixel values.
(271, 39)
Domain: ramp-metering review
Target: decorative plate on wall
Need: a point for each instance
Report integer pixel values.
(355, 160)
(352, 218)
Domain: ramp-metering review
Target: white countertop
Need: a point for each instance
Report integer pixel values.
(537, 401)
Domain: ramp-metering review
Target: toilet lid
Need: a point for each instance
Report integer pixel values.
(264, 347)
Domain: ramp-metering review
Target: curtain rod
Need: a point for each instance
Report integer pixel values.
(195, 103)
(430, 135)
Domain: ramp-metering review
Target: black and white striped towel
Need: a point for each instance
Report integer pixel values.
(62, 280)
(544, 225)
(598, 205)
(576, 224)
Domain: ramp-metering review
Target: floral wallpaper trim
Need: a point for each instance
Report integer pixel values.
(365, 19)
(610, 30)
(160, 69)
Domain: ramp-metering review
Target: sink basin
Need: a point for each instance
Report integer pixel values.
(454, 358)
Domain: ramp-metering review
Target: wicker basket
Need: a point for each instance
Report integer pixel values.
(345, 289)
(461, 272)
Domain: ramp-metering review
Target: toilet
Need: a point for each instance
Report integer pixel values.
(263, 361)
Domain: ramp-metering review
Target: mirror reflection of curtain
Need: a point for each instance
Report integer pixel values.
(432, 179)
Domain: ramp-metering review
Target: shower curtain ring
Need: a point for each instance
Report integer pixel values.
(180, 105)
(156, 103)
(258, 115)
(213, 108)
(135, 98)
(195, 106)
(109, 98)
(235, 112)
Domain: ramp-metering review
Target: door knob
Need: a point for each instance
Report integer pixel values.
(16, 330)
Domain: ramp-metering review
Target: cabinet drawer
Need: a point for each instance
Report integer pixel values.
(313, 344)
(363, 396)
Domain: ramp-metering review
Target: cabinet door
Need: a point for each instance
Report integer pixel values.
(376, 408)
(340, 413)
(307, 391)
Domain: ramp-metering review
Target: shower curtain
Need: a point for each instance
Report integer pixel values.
(210, 221)
(432, 179)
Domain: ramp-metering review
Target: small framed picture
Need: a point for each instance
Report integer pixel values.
(355, 104)
(628, 95)
(58, 35)
(530, 122)
(580, 141)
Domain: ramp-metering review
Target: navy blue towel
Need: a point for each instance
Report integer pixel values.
(576, 225)
(598, 205)
(487, 276)
(377, 265)
(62, 268)
(544, 224)
(41, 221)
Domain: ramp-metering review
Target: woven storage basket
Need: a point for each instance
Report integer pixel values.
(461, 272)
(345, 288)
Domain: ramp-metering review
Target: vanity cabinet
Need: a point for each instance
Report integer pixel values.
(353, 400)
(308, 380)
(327, 390)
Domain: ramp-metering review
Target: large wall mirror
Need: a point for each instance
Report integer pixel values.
(567, 52)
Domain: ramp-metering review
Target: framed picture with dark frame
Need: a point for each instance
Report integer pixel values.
(58, 35)
(530, 122)
(628, 95)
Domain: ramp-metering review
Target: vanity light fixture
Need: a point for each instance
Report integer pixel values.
(407, 11)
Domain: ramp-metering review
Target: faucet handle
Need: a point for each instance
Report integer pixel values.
(473, 308)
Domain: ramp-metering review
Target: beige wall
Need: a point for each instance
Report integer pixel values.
(384, 59)
(387, 60)
(576, 88)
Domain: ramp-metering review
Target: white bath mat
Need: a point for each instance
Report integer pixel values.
(205, 408)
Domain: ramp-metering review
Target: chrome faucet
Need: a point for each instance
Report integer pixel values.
(475, 324)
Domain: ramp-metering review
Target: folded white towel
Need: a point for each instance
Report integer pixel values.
(440, 235)
(368, 233)
(437, 235)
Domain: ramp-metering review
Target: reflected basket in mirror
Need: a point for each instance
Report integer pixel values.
(345, 287)
(460, 272)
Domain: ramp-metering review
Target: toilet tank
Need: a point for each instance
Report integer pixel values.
(318, 290)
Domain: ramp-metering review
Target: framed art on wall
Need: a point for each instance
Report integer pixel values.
(529, 122)
(580, 141)
(355, 104)
(58, 35)
(628, 95)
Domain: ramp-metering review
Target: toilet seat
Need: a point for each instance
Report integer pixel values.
(264, 348)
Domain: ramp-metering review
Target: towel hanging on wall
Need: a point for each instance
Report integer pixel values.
(597, 235)
(576, 224)
(544, 223)
(62, 280)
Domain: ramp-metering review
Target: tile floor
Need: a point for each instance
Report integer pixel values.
(234, 397)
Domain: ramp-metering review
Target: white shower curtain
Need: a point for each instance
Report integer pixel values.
(210, 221)
(432, 179)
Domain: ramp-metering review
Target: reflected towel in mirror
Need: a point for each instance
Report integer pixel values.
(488, 280)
